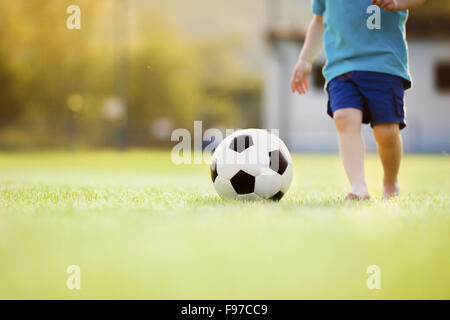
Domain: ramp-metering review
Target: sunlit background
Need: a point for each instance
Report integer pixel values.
(138, 69)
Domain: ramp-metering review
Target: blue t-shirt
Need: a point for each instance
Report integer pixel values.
(362, 37)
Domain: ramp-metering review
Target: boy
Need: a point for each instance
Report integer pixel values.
(366, 75)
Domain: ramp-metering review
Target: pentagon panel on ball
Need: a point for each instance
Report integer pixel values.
(252, 164)
(241, 143)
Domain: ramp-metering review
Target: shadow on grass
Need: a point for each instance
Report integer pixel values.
(289, 203)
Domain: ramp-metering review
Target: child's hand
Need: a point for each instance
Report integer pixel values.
(299, 82)
(388, 5)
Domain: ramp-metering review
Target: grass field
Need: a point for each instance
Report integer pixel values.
(140, 227)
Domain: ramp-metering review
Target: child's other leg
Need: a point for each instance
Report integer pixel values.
(390, 149)
(352, 148)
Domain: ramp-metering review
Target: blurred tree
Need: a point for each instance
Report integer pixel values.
(163, 81)
(232, 93)
(49, 63)
(10, 109)
(58, 86)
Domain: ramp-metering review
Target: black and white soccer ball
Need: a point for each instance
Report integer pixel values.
(252, 164)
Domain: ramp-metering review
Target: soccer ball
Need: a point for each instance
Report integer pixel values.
(252, 164)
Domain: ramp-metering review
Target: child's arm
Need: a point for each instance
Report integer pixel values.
(397, 5)
(311, 48)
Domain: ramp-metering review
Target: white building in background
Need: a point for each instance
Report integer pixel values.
(303, 121)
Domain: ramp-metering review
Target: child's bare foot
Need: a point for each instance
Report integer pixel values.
(358, 192)
(391, 191)
(354, 197)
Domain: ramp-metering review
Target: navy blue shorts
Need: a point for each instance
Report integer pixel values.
(379, 96)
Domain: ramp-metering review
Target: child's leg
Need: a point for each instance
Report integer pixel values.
(352, 148)
(390, 149)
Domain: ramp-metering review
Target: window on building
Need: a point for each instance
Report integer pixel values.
(442, 74)
(318, 81)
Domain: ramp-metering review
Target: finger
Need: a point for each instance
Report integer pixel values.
(302, 88)
(386, 4)
(297, 88)
(294, 81)
(390, 7)
(306, 84)
(298, 82)
(294, 85)
(305, 87)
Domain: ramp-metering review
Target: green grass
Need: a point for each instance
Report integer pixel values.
(140, 227)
